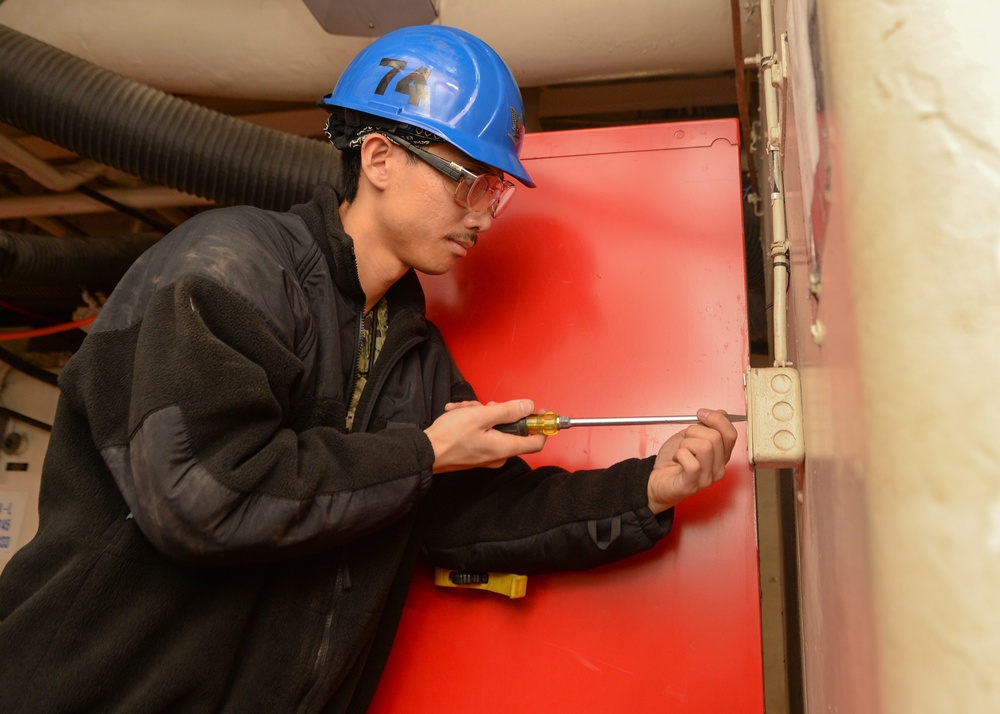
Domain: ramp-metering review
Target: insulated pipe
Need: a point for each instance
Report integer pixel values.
(147, 133)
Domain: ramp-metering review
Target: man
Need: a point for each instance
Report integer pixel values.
(262, 431)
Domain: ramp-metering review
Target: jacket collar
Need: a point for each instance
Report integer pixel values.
(322, 217)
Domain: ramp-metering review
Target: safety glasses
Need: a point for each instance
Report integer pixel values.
(476, 191)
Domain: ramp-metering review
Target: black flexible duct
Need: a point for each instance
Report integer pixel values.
(95, 263)
(145, 132)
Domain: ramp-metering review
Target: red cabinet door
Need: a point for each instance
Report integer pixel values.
(616, 288)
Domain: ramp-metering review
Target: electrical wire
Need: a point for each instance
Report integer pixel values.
(42, 331)
(146, 218)
(27, 313)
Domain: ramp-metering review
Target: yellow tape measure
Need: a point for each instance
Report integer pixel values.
(508, 584)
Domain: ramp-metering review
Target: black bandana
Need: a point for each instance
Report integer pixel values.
(347, 128)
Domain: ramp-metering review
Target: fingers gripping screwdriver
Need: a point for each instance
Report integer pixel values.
(549, 423)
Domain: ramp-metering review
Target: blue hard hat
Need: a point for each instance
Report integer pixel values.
(445, 81)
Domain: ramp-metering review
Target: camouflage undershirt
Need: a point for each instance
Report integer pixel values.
(375, 326)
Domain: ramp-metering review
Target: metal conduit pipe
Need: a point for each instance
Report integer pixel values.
(772, 71)
(160, 138)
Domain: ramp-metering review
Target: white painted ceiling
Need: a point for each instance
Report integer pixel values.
(583, 62)
(277, 50)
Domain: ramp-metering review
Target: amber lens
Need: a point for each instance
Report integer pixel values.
(503, 199)
(480, 197)
(486, 192)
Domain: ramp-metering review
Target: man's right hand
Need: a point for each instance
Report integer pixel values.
(464, 438)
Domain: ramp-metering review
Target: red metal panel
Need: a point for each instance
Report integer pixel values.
(616, 288)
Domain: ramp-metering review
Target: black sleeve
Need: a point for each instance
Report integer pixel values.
(213, 469)
(515, 519)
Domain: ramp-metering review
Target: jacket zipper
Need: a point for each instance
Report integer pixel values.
(343, 582)
(343, 573)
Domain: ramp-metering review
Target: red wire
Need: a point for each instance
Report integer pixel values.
(27, 313)
(41, 331)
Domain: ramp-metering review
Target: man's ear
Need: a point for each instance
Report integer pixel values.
(375, 152)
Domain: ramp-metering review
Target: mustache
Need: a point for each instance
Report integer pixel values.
(469, 238)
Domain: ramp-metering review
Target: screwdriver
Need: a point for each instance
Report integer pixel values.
(549, 423)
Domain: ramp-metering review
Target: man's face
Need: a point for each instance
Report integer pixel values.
(429, 230)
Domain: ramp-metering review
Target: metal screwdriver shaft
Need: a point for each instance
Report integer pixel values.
(550, 423)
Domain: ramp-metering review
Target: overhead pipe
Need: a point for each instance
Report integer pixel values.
(160, 138)
(96, 263)
(164, 140)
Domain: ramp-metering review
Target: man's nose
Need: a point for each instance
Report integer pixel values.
(478, 221)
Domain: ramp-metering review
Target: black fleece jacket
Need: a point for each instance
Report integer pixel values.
(211, 538)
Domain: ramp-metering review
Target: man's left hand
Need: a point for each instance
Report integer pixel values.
(691, 460)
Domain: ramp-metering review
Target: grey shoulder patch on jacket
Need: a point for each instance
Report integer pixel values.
(254, 253)
(189, 515)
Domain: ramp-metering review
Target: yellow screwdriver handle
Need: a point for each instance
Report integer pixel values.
(547, 423)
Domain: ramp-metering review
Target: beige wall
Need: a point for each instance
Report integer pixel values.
(899, 511)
